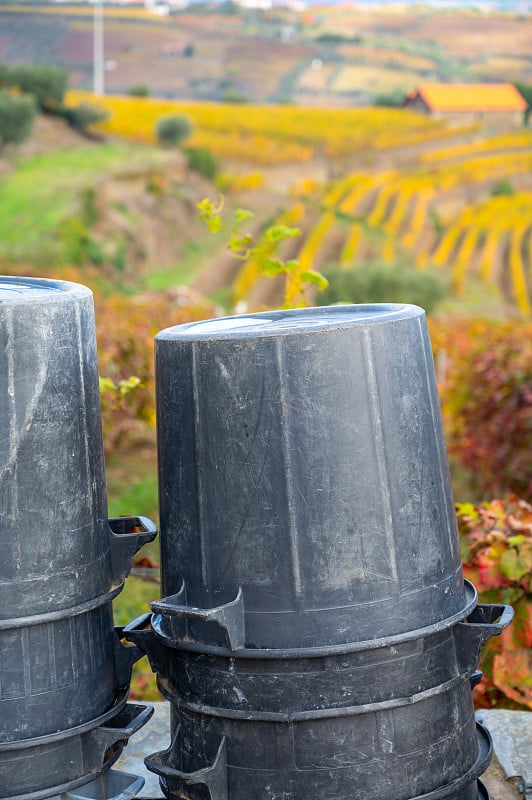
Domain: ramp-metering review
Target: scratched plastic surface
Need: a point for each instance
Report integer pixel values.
(428, 750)
(53, 506)
(61, 663)
(302, 460)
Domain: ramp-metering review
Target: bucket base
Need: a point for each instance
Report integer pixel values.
(55, 766)
(112, 785)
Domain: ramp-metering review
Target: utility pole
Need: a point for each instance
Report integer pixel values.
(98, 55)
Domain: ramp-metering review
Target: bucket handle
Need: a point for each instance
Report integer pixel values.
(125, 657)
(490, 619)
(105, 743)
(213, 777)
(125, 544)
(229, 617)
(485, 620)
(139, 632)
(475, 678)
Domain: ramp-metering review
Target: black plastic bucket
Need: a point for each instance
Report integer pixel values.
(64, 676)
(58, 549)
(424, 748)
(61, 670)
(305, 492)
(51, 765)
(295, 681)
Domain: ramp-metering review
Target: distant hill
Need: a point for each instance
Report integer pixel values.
(325, 56)
(513, 6)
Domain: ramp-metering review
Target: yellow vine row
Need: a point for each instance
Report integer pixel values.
(307, 255)
(351, 245)
(463, 258)
(447, 244)
(517, 271)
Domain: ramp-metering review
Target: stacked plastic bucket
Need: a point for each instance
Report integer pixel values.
(64, 674)
(316, 638)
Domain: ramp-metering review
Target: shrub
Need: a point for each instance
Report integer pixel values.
(486, 392)
(46, 83)
(203, 161)
(378, 283)
(126, 327)
(496, 541)
(525, 90)
(436, 222)
(234, 183)
(234, 95)
(83, 116)
(139, 90)
(74, 239)
(173, 130)
(16, 118)
(393, 99)
(5, 76)
(504, 188)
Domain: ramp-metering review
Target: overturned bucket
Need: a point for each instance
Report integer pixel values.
(64, 674)
(305, 491)
(315, 637)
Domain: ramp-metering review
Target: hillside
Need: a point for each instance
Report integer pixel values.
(403, 191)
(337, 56)
(364, 186)
(114, 209)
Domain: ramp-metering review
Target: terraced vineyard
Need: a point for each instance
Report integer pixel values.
(464, 209)
(269, 135)
(403, 217)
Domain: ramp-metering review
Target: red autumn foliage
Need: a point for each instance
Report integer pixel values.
(126, 327)
(485, 381)
(497, 551)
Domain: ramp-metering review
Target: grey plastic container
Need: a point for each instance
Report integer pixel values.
(61, 670)
(64, 676)
(304, 487)
(424, 746)
(111, 785)
(58, 550)
(51, 765)
(371, 672)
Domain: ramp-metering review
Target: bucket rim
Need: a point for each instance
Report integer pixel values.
(471, 600)
(16, 291)
(485, 752)
(295, 321)
(69, 733)
(60, 613)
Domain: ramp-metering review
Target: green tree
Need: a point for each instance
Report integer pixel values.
(45, 82)
(504, 187)
(202, 161)
(83, 116)
(525, 90)
(139, 90)
(381, 283)
(5, 75)
(392, 99)
(173, 130)
(16, 118)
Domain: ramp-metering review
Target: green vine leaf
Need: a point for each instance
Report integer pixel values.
(242, 214)
(272, 267)
(277, 233)
(316, 278)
